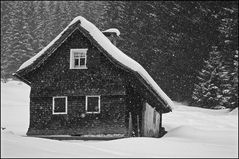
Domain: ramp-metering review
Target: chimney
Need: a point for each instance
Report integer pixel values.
(112, 34)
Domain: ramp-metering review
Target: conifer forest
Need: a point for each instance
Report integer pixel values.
(190, 48)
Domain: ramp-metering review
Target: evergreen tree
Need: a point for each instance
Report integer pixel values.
(213, 87)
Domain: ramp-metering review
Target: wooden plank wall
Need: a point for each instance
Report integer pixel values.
(149, 126)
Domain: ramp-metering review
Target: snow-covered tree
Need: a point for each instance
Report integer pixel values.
(213, 88)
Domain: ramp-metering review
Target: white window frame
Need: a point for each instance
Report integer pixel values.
(86, 104)
(72, 60)
(53, 105)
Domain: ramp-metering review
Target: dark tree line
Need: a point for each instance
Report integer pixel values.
(171, 39)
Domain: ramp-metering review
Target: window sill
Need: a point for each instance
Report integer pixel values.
(59, 113)
(78, 68)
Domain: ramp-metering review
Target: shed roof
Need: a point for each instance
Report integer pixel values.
(113, 52)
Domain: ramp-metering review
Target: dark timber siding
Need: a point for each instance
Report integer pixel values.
(111, 120)
(54, 78)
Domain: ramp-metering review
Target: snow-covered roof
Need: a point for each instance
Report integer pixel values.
(112, 30)
(112, 50)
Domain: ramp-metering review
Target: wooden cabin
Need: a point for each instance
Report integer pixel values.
(82, 84)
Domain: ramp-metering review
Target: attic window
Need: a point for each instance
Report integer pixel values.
(59, 105)
(78, 59)
(92, 104)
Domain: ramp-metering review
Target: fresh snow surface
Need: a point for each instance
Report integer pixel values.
(112, 50)
(114, 30)
(192, 132)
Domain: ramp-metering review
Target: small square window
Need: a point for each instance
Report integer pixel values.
(59, 105)
(78, 59)
(92, 104)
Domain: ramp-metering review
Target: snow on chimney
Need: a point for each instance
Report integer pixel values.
(112, 34)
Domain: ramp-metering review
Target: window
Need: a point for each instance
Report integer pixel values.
(59, 105)
(78, 59)
(92, 104)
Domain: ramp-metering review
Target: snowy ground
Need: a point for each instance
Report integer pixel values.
(192, 132)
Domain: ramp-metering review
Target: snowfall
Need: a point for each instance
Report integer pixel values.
(192, 132)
